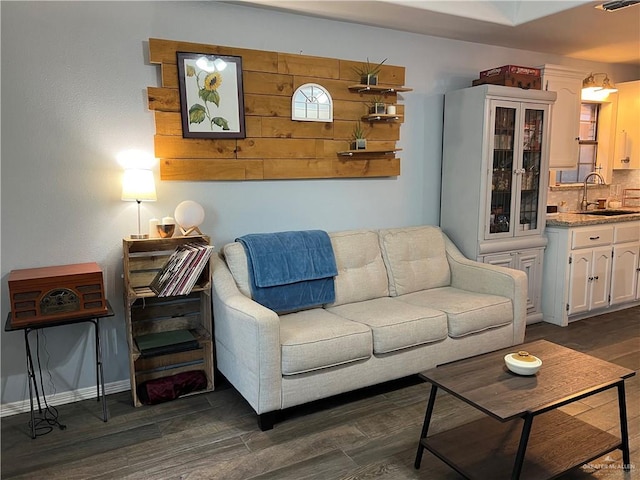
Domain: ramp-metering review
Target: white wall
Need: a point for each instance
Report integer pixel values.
(74, 79)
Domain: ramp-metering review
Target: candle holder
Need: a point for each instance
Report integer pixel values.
(166, 230)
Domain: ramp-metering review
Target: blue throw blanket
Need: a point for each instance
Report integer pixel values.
(289, 271)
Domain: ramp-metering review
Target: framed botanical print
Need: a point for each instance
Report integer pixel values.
(211, 95)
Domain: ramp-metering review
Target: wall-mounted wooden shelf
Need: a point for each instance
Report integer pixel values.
(382, 117)
(378, 88)
(365, 151)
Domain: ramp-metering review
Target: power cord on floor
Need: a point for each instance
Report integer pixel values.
(49, 417)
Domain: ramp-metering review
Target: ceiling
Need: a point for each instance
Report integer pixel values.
(574, 29)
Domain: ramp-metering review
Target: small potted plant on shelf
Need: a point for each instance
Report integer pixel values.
(368, 72)
(359, 141)
(377, 106)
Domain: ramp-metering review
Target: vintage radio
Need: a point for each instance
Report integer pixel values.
(48, 294)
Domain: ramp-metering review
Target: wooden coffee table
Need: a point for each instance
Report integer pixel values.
(508, 441)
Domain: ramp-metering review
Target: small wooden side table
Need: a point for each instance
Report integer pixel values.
(33, 386)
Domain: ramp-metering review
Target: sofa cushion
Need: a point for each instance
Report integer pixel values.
(396, 325)
(315, 339)
(236, 258)
(361, 271)
(415, 258)
(467, 312)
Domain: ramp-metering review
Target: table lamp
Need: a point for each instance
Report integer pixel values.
(138, 185)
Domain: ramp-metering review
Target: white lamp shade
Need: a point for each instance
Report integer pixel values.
(136, 159)
(138, 185)
(189, 214)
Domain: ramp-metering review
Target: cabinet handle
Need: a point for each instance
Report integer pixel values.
(594, 238)
(596, 277)
(590, 279)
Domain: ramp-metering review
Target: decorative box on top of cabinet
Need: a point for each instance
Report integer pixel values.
(494, 181)
(147, 313)
(567, 83)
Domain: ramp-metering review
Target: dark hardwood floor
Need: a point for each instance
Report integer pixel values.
(371, 434)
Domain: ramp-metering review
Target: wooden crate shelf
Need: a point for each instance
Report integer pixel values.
(146, 313)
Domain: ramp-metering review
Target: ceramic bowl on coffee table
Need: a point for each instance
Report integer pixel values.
(522, 363)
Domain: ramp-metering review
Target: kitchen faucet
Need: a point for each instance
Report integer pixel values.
(584, 204)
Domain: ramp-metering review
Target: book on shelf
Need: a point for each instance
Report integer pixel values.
(188, 262)
(182, 270)
(161, 343)
(198, 261)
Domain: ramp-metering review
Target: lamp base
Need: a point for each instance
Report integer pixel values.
(188, 231)
(139, 236)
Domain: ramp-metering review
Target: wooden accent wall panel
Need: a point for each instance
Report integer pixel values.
(275, 147)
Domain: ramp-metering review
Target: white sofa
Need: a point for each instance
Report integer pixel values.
(406, 300)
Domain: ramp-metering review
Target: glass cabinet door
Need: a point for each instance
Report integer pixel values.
(504, 143)
(529, 172)
(516, 150)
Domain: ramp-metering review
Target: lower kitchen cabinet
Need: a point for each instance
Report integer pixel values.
(625, 277)
(589, 279)
(530, 262)
(589, 269)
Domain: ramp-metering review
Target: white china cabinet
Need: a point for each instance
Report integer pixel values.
(494, 178)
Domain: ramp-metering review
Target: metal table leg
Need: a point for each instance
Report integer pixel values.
(33, 386)
(624, 429)
(522, 447)
(99, 371)
(425, 425)
(31, 373)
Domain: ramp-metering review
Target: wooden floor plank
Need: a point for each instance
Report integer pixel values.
(366, 435)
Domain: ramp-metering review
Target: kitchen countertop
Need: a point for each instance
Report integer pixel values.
(574, 219)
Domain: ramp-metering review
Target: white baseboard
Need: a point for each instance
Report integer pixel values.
(61, 398)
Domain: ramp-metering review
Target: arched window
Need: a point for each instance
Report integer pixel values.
(312, 103)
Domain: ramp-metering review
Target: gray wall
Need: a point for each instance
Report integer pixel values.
(74, 78)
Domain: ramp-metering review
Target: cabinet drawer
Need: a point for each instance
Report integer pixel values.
(627, 232)
(592, 237)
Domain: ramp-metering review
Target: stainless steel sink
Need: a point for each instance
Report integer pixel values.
(607, 213)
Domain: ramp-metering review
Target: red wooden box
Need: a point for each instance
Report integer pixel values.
(47, 294)
(510, 69)
(512, 80)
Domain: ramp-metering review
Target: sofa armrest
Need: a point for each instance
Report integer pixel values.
(247, 337)
(492, 279)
